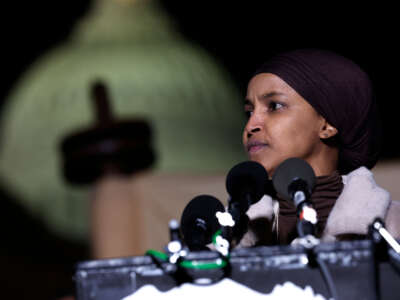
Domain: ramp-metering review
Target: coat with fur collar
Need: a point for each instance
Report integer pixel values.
(360, 202)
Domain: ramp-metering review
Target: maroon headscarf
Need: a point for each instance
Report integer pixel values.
(342, 93)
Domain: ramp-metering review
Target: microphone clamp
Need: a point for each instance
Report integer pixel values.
(222, 245)
(308, 214)
(222, 238)
(175, 248)
(225, 219)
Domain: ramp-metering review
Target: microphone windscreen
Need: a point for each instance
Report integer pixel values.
(289, 171)
(198, 218)
(247, 177)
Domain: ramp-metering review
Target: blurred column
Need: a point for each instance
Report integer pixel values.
(151, 72)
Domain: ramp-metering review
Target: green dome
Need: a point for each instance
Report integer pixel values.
(151, 72)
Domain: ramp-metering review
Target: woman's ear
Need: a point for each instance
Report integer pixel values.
(327, 131)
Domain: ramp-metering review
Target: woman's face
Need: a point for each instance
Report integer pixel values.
(280, 125)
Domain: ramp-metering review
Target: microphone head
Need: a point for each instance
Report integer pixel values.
(289, 171)
(247, 177)
(198, 221)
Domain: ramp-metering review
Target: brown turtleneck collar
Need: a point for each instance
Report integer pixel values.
(327, 189)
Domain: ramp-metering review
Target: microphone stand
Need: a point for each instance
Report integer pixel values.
(380, 234)
(386, 248)
(307, 215)
(175, 247)
(233, 223)
(307, 219)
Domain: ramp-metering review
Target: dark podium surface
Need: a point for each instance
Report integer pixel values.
(356, 271)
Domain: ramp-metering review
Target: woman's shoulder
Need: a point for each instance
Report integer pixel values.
(360, 202)
(381, 198)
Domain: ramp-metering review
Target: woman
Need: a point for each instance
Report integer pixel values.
(318, 106)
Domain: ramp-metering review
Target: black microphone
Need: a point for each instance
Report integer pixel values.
(246, 184)
(199, 223)
(294, 175)
(294, 180)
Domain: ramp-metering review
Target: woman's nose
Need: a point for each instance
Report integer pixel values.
(253, 126)
(252, 131)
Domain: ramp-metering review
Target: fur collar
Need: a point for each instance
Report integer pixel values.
(361, 201)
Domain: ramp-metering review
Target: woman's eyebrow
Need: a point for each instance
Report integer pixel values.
(264, 97)
(272, 94)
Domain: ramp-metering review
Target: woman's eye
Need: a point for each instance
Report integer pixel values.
(248, 113)
(275, 106)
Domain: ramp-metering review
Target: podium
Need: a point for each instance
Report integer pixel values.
(355, 270)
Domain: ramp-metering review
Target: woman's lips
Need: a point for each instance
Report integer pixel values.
(253, 147)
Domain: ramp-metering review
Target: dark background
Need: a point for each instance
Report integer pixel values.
(240, 36)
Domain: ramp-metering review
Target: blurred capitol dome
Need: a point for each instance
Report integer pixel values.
(151, 72)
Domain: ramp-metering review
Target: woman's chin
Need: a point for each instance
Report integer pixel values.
(267, 166)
